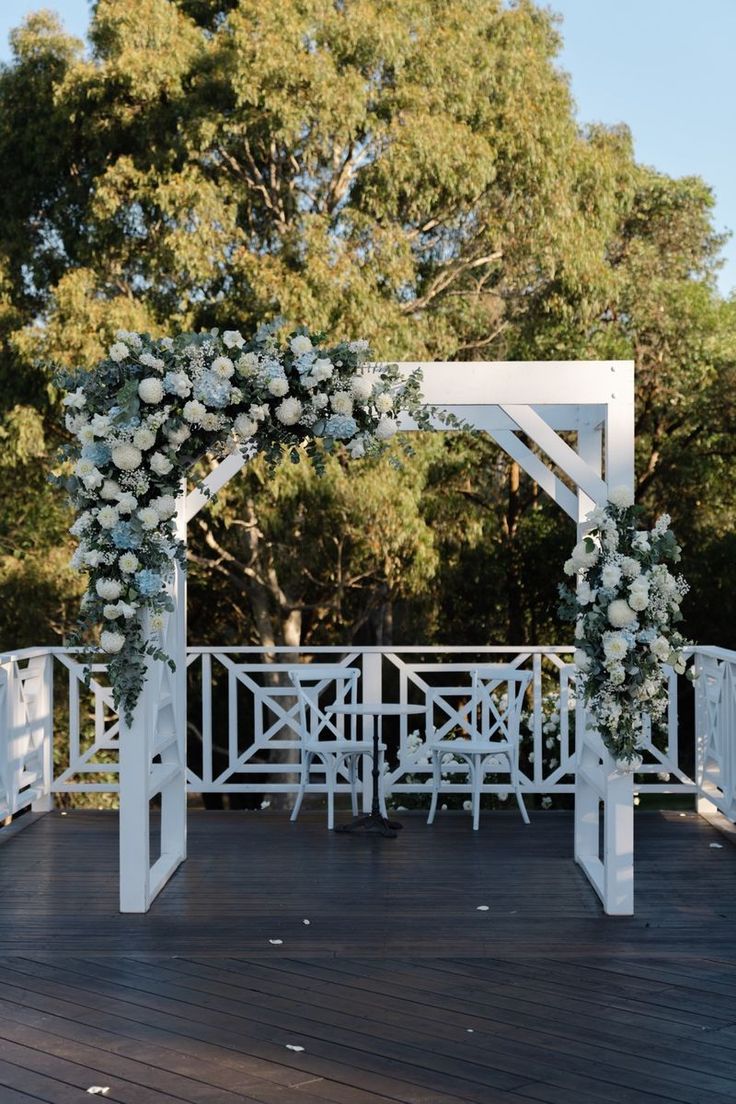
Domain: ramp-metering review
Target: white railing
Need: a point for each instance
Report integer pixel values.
(715, 729)
(243, 722)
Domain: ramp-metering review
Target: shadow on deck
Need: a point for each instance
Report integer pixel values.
(398, 989)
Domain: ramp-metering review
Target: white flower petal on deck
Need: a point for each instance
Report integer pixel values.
(482, 908)
(292, 1046)
(276, 942)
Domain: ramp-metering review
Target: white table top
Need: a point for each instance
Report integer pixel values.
(376, 709)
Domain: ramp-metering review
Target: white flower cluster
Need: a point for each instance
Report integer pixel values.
(153, 406)
(625, 607)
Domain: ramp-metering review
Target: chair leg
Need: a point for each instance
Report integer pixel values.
(381, 791)
(517, 791)
(436, 782)
(353, 784)
(330, 777)
(474, 763)
(303, 781)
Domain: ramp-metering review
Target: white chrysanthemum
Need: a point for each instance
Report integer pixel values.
(156, 622)
(194, 411)
(245, 427)
(247, 364)
(289, 411)
(127, 502)
(384, 402)
(342, 403)
(109, 589)
(107, 517)
(621, 497)
(278, 386)
(300, 345)
(178, 436)
(361, 387)
(620, 614)
(119, 351)
(385, 429)
(165, 506)
(129, 562)
(639, 594)
(660, 647)
(111, 642)
(111, 612)
(233, 339)
(616, 674)
(144, 438)
(610, 575)
(126, 457)
(151, 390)
(210, 422)
(615, 646)
(148, 517)
(86, 434)
(223, 367)
(630, 567)
(160, 464)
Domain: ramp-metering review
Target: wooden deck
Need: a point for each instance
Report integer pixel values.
(398, 990)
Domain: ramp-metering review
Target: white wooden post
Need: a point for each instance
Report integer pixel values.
(372, 691)
(44, 802)
(136, 742)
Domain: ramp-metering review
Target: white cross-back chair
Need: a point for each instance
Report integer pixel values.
(487, 714)
(330, 739)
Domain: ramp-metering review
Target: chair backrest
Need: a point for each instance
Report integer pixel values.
(478, 710)
(313, 681)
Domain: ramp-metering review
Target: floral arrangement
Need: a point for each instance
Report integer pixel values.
(147, 412)
(625, 607)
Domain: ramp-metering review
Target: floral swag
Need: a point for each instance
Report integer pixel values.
(147, 412)
(625, 607)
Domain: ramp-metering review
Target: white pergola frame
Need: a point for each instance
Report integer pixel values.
(509, 401)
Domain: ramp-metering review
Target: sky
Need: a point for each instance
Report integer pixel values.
(664, 67)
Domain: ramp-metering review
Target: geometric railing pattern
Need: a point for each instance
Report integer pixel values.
(243, 725)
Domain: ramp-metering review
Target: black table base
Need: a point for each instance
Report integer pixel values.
(372, 823)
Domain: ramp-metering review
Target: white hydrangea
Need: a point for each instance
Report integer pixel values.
(247, 364)
(151, 389)
(622, 497)
(127, 502)
(386, 428)
(165, 506)
(150, 361)
(109, 489)
(130, 337)
(111, 642)
(129, 562)
(109, 589)
(583, 556)
(290, 410)
(245, 427)
(639, 594)
(126, 457)
(178, 436)
(119, 351)
(610, 575)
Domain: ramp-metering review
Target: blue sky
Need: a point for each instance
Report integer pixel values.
(665, 67)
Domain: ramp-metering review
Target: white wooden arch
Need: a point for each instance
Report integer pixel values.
(512, 401)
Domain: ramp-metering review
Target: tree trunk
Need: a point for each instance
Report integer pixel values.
(514, 607)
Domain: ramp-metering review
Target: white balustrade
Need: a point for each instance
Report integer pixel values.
(715, 730)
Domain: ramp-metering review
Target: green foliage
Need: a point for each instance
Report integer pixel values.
(409, 171)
